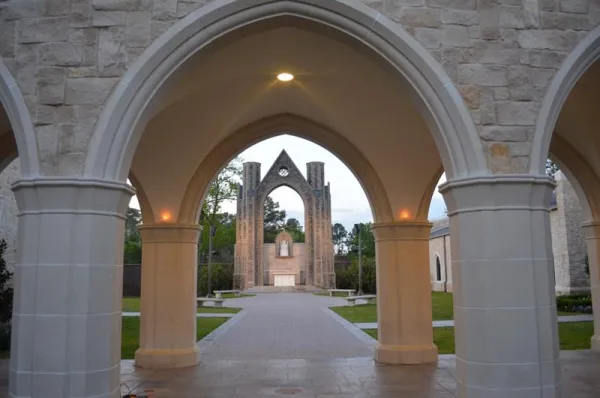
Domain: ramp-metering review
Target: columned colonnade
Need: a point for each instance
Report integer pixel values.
(67, 311)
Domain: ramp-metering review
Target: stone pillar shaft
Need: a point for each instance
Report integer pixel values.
(504, 304)
(404, 293)
(66, 336)
(592, 234)
(168, 308)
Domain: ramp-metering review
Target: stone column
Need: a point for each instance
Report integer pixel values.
(66, 339)
(504, 304)
(404, 293)
(168, 305)
(592, 234)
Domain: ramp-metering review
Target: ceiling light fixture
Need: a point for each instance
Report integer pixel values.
(285, 77)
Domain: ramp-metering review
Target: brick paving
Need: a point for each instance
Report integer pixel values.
(285, 326)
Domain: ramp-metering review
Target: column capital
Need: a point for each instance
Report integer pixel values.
(401, 230)
(53, 195)
(591, 229)
(498, 192)
(170, 233)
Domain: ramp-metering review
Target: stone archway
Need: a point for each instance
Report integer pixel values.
(122, 120)
(317, 268)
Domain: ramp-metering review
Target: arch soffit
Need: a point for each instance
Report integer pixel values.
(117, 131)
(272, 126)
(575, 65)
(582, 177)
(145, 206)
(20, 121)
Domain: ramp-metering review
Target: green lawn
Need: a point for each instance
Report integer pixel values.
(131, 333)
(572, 336)
(132, 304)
(441, 307)
(233, 296)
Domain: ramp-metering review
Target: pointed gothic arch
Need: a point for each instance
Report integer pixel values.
(317, 268)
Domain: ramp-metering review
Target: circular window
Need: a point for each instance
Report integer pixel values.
(284, 171)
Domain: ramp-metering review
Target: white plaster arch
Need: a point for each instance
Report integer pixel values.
(120, 125)
(574, 66)
(20, 120)
(272, 126)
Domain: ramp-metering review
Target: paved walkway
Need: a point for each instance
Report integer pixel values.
(450, 323)
(285, 326)
(205, 315)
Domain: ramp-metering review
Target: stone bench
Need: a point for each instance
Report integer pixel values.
(370, 298)
(218, 301)
(219, 293)
(349, 291)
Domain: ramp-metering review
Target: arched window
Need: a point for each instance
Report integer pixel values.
(438, 269)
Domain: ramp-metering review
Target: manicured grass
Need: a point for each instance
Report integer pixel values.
(441, 304)
(131, 333)
(132, 304)
(233, 296)
(572, 336)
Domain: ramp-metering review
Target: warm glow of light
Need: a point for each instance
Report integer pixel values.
(285, 77)
(165, 216)
(404, 214)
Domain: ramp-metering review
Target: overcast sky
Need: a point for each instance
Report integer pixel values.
(349, 202)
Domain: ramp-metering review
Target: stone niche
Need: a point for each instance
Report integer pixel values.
(281, 269)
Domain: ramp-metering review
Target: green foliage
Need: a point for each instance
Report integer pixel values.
(367, 241)
(221, 278)
(551, 168)
(224, 239)
(224, 188)
(348, 279)
(295, 229)
(6, 300)
(274, 219)
(575, 303)
(132, 248)
(340, 235)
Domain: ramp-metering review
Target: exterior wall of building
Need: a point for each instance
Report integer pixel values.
(568, 245)
(275, 265)
(8, 211)
(67, 56)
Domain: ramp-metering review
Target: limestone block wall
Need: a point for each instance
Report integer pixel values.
(68, 55)
(439, 247)
(8, 211)
(274, 265)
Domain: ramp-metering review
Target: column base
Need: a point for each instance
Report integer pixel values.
(406, 355)
(596, 343)
(167, 359)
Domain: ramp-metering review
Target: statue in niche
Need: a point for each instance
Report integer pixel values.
(284, 250)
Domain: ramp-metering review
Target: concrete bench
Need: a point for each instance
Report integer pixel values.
(349, 291)
(369, 298)
(219, 293)
(218, 301)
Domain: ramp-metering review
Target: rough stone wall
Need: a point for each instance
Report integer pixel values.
(568, 241)
(68, 55)
(8, 211)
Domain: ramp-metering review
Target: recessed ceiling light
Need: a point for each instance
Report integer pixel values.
(285, 77)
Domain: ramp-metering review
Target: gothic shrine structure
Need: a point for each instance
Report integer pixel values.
(260, 264)
(166, 92)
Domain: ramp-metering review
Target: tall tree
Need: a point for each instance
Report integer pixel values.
(367, 241)
(340, 234)
(294, 228)
(223, 189)
(133, 218)
(274, 219)
(551, 168)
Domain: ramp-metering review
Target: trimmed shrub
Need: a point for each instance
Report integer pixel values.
(348, 279)
(221, 278)
(577, 303)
